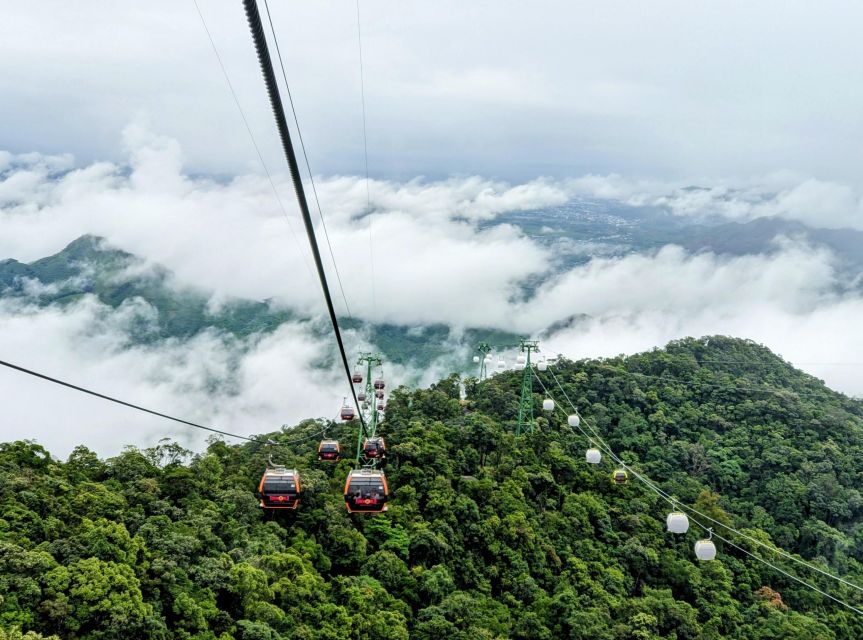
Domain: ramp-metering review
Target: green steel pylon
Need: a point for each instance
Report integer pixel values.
(525, 404)
(484, 349)
(370, 360)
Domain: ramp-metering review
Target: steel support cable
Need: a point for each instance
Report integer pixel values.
(254, 142)
(366, 157)
(306, 156)
(263, 51)
(598, 441)
(137, 407)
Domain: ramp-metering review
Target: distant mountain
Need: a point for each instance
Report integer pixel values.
(89, 266)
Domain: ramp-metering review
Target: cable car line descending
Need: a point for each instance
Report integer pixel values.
(254, 142)
(366, 157)
(263, 52)
(306, 156)
(597, 440)
(137, 407)
(667, 497)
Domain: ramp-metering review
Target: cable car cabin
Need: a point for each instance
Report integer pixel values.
(357, 377)
(280, 489)
(366, 491)
(329, 451)
(374, 448)
(620, 476)
(361, 396)
(379, 383)
(379, 395)
(348, 412)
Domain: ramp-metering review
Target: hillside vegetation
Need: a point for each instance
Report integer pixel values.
(487, 536)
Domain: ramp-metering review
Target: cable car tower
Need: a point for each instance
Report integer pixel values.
(525, 404)
(372, 398)
(483, 359)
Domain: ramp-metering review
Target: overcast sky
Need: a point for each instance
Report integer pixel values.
(116, 121)
(504, 89)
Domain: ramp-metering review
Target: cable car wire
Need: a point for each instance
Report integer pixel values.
(305, 156)
(137, 407)
(366, 157)
(254, 141)
(257, 29)
(597, 440)
(603, 444)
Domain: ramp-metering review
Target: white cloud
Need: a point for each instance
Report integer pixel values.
(817, 203)
(436, 260)
(244, 387)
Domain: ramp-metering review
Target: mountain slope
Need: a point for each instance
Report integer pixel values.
(487, 536)
(88, 266)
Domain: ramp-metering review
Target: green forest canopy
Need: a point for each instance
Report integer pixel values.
(487, 536)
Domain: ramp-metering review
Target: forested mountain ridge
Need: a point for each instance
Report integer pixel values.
(88, 266)
(487, 535)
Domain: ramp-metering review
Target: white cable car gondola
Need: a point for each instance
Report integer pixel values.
(476, 359)
(573, 420)
(705, 550)
(501, 364)
(519, 366)
(542, 365)
(520, 359)
(677, 522)
(548, 404)
(593, 455)
(488, 359)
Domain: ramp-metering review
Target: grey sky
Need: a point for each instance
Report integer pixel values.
(667, 89)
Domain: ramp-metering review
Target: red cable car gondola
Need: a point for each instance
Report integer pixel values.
(379, 383)
(357, 377)
(279, 489)
(329, 451)
(366, 491)
(348, 412)
(374, 448)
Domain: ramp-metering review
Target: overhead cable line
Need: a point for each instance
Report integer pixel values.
(254, 142)
(366, 157)
(137, 407)
(603, 444)
(305, 156)
(599, 442)
(263, 51)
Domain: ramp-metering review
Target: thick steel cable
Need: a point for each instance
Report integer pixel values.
(306, 157)
(263, 51)
(254, 142)
(597, 440)
(137, 407)
(366, 156)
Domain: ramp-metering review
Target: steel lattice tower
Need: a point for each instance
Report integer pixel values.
(525, 404)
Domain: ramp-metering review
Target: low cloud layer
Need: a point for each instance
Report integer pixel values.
(438, 258)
